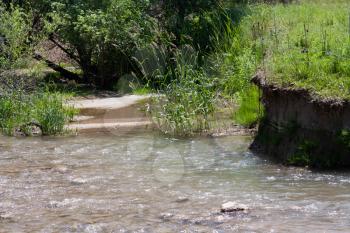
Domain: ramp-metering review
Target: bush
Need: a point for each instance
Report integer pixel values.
(51, 114)
(12, 113)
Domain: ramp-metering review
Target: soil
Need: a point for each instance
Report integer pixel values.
(300, 129)
(110, 114)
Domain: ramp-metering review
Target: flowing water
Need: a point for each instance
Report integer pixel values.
(144, 182)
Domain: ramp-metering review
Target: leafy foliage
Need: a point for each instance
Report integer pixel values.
(14, 31)
(188, 19)
(102, 35)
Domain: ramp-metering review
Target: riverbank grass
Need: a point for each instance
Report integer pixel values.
(250, 109)
(45, 110)
(305, 46)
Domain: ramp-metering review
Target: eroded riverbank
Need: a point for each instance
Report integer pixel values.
(302, 129)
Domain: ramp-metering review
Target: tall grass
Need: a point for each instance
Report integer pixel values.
(250, 109)
(188, 101)
(19, 110)
(236, 59)
(306, 45)
(51, 113)
(199, 83)
(298, 45)
(14, 112)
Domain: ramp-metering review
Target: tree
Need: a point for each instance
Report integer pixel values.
(14, 30)
(176, 11)
(100, 36)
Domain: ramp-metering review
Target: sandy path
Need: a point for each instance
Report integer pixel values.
(110, 114)
(108, 103)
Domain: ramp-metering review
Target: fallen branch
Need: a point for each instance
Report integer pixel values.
(65, 73)
(66, 51)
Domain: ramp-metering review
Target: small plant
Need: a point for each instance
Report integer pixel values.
(343, 138)
(142, 90)
(51, 114)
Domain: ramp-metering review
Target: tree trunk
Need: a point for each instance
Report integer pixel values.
(65, 73)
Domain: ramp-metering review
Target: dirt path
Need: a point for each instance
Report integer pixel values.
(114, 114)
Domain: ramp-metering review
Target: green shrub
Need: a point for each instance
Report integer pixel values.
(302, 157)
(14, 31)
(343, 138)
(51, 114)
(15, 111)
(18, 110)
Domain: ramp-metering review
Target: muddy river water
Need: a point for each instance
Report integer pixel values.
(145, 182)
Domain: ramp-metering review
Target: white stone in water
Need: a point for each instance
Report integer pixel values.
(61, 169)
(78, 181)
(233, 207)
(5, 216)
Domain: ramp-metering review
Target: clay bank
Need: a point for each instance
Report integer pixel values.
(299, 129)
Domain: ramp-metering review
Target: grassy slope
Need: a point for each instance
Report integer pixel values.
(306, 45)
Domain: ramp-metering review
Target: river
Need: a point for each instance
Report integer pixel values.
(146, 182)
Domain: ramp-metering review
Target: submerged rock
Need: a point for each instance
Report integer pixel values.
(30, 129)
(35, 130)
(18, 133)
(6, 217)
(61, 169)
(230, 207)
(182, 200)
(166, 216)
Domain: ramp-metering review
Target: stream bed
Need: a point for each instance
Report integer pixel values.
(145, 182)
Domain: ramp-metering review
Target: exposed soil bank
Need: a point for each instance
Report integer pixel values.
(301, 130)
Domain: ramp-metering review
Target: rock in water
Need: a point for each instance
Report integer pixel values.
(230, 207)
(35, 130)
(61, 169)
(17, 132)
(182, 200)
(29, 129)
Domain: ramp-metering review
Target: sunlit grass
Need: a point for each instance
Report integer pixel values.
(250, 109)
(305, 45)
(17, 110)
